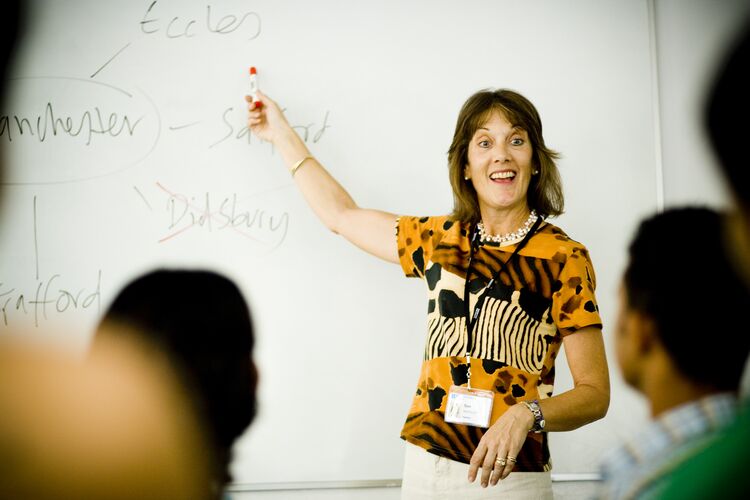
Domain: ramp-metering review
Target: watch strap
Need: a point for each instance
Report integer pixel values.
(535, 410)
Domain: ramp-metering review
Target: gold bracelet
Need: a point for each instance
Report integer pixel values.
(299, 164)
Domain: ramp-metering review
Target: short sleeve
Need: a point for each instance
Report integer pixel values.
(574, 301)
(416, 239)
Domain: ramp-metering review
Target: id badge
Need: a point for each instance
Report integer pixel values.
(469, 406)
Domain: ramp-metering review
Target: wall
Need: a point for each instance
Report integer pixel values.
(691, 36)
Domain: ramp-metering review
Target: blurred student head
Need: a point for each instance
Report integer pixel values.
(726, 111)
(720, 469)
(201, 323)
(112, 426)
(681, 305)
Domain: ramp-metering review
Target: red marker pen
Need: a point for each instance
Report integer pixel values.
(254, 88)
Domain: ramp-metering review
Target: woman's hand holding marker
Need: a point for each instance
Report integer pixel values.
(265, 118)
(267, 122)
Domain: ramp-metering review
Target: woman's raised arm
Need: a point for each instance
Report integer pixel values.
(371, 230)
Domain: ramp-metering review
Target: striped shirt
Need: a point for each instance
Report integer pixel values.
(640, 467)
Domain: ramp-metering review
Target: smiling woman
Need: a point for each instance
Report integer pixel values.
(502, 131)
(500, 306)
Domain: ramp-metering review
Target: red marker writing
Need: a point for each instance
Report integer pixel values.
(254, 87)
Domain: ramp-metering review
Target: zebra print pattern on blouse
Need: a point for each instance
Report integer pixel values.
(504, 332)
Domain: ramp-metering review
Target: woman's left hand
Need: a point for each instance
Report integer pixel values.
(502, 440)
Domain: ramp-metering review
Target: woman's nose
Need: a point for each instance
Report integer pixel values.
(500, 153)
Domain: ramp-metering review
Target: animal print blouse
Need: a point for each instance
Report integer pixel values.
(546, 293)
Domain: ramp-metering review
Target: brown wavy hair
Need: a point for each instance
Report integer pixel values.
(545, 194)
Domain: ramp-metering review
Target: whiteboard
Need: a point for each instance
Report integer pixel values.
(124, 140)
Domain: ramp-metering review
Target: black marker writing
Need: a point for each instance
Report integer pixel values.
(109, 61)
(177, 27)
(257, 224)
(309, 131)
(36, 243)
(88, 124)
(49, 298)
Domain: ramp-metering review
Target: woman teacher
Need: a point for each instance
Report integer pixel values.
(506, 289)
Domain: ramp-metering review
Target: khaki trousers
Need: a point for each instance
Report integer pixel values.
(430, 477)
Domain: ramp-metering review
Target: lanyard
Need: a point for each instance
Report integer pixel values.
(471, 319)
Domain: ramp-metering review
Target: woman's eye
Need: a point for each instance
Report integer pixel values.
(517, 141)
(484, 144)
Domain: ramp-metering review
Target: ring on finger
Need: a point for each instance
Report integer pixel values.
(500, 462)
(511, 459)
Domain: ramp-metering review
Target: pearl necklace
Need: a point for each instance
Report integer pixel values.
(512, 236)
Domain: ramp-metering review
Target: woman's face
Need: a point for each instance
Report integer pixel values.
(500, 165)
